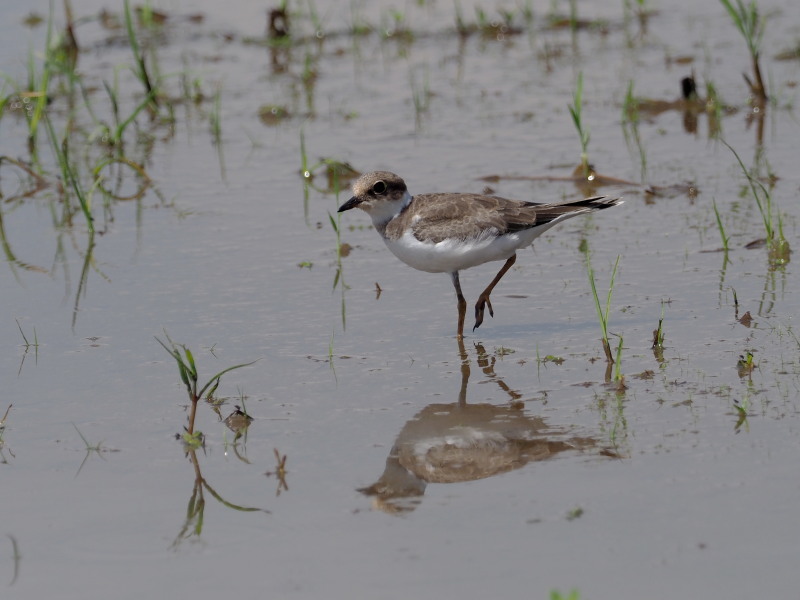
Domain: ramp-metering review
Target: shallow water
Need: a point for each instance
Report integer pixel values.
(661, 490)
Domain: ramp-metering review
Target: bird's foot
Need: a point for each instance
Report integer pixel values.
(483, 302)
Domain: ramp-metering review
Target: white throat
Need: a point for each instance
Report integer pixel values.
(384, 211)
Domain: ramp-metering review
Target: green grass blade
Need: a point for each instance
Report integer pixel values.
(597, 303)
(720, 226)
(62, 156)
(221, 373)
(766, 213)
(611, 289)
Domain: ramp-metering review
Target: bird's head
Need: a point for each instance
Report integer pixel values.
(380, 194)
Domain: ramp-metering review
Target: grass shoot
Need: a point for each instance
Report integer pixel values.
(658, 332)
(140, 68)
(721, 227)
(3, 428)
(61, 151)
(777, 244)
(187, 369)
(619, 378)
(751, 25)
(602, 315)
(576, 110)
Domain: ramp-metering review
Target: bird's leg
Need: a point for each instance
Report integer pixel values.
(462, 304)
(483, 299)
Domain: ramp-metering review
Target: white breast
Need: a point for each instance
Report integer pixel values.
(455, 255)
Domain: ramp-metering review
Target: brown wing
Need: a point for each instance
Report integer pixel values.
(435, 217)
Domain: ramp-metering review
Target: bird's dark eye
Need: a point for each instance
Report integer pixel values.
(379, 188)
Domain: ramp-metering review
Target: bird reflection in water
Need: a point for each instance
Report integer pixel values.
(449, 443)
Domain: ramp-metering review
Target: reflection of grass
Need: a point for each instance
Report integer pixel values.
(28, 345)
(98, 448)
(17, 557)
(420, 94)
(280, 472)
(741, 414)
(630, 120)
(195, 510)
(215, 119)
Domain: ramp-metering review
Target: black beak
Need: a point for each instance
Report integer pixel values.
(352, 203)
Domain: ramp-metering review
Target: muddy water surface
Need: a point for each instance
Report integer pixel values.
(414, 466)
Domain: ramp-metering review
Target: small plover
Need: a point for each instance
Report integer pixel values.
(449, 232)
